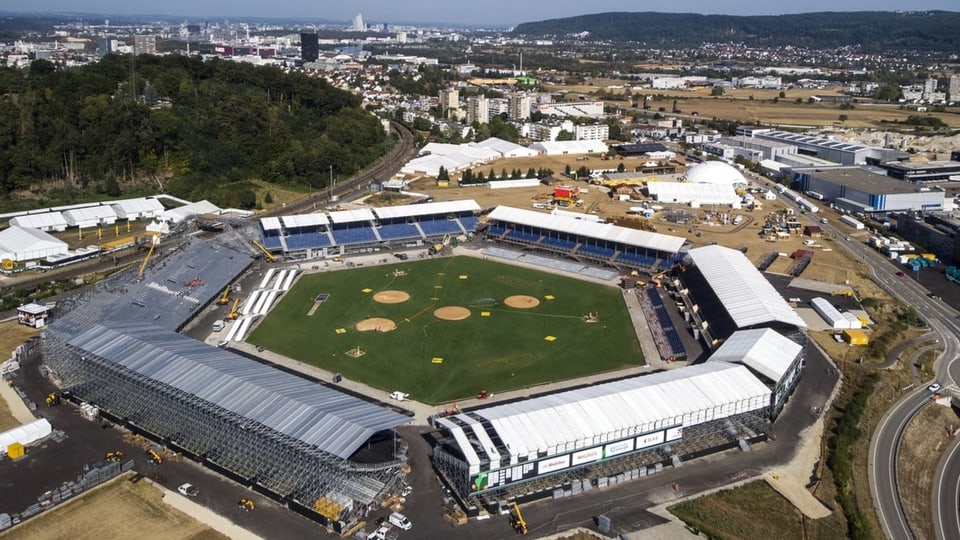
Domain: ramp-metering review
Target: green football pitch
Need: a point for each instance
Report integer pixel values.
(576, 328)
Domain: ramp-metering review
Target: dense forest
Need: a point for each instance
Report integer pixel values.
(195, 129)
(872, 31)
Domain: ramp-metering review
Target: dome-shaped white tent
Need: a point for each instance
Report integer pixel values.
(714, 172)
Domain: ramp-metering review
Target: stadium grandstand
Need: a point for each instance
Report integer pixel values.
(596, 435)
(726, 293)
(311, 236)
(324, 453)
(584, 239)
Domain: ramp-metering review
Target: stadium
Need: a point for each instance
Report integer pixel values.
(332, 455)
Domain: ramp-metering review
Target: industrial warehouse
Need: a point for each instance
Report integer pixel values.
(856, 189)
(324, 453)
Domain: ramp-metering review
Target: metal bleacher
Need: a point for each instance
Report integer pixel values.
(525, 237)
(596, 251)
(636, 259)
(469, 223)
(676, 348)
(559, 243)
(306, 240)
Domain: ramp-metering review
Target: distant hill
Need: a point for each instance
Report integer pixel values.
(873, 30)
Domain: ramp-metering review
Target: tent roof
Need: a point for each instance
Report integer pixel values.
(317, 415)
(20, 239)
(351, 216)
(588, 228)
(685, 191)
(143, 204)
(90, 212)
(763, 350)
(746, 295)
(40, 221)
(595, 411)
(427, 209)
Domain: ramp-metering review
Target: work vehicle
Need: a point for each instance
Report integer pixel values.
(114, 457)
(399, 520)
(218, 325)
(154, 456)
(188, 490)
(233, 314)
(380, 533)
(516, 519)
(246, 505)
(53, 399)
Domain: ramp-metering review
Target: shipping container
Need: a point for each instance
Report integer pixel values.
(853, 222)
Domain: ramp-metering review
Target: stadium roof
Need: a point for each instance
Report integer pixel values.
(46, 220)
(582, 227)
(20, 239)
(351, 216)
(271, 223)
(684, 192)
(763, 350)
(616, 409)
(304, 220)
(745, 294)
(334, 422)
(427, 209)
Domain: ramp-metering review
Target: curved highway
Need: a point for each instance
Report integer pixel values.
(885, 442)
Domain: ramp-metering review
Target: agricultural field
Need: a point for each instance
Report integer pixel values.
(446, 328)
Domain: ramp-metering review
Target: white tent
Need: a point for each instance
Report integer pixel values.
(141, 208)
(762, 350)
(23, 244)
(556, 148)
(26, 434)
(176, 215)
(47, 221)
(90, 216)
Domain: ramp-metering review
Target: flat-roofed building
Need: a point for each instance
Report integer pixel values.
(857, 189)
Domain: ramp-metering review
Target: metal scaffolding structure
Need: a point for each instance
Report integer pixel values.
(292, 438)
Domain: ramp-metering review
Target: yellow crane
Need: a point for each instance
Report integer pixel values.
(516, 519)
(233, 310)
(154, 240)
(266, 253)
(225, 297)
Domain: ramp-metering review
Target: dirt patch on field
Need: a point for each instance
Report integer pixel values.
(376, 324)
(391, 297)
(522, 301)
(452, 313)
(134, 510)
(925, 439)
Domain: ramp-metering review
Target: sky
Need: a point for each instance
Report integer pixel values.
(475, 13)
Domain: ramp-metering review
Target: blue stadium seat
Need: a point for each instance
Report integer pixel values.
(469, 223)
(399, 231)
(560, 243)
(354, 235)
(597, 251)
(434, 227)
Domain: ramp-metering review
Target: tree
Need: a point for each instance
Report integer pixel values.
(717, 91)
(492, 176)
(842, 118)
(565, 135)
(782, 94)
(443, 175)
(567, 170)
(621, 167)
(887, 92)
(531, 173)
(503, 174)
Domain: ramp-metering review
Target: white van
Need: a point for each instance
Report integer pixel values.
(218, 325)
(399, 520)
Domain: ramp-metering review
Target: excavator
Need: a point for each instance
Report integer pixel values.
(516, 519)
(233, 314)
(154, 240)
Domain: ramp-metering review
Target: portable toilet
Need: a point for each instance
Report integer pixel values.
(15, 450)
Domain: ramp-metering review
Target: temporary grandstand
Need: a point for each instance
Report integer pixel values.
(601, 243)
(777, 360)
(622, 430)
(311, 236)
(286, 436)
(728, 293)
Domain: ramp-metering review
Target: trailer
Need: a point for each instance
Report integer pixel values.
(853, 222)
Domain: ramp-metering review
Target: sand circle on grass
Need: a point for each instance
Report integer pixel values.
(376, 325)
(522, 301)
(451, 313)
(391, 297)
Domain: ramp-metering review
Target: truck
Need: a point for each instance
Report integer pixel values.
(852, 221)
(188, 490)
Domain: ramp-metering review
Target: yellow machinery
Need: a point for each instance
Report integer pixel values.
(53, 399)
(246, 505)
(233, 310)
(154, 240)
(225, 297)
(266, 253)
(154, 456)
(115, 456)
(516, 519)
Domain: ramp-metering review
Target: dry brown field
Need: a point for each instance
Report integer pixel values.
(118, 510)
(12, 334)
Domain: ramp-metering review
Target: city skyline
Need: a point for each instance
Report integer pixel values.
(491, 13)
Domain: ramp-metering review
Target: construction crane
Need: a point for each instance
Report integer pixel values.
(154, 240)
(266, 253)
(233, 314)
(225, 297)
(516, 519)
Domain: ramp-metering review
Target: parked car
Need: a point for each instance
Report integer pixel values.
(900, 273)
(188, 490)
